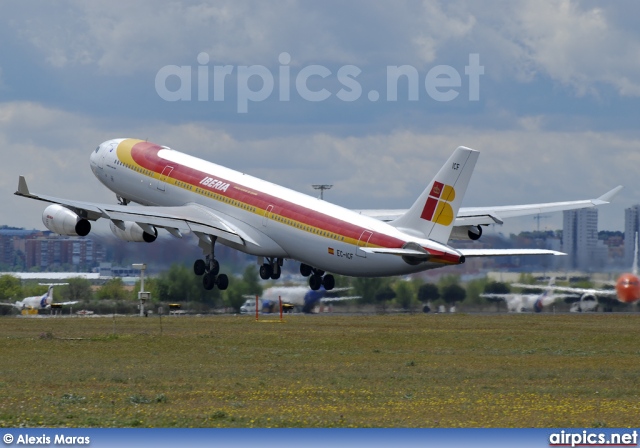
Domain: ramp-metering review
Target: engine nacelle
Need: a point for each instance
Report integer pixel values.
(133, 232)
(466, 233)
(63, 221)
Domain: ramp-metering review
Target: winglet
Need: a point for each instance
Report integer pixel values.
(606, 198)
(23, 190)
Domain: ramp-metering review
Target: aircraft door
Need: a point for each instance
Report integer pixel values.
(163, 177)
(363, 242)
(267, 215)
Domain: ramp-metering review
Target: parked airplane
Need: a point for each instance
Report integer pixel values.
(627, 288)
(181, 194)
(293, 297)
(587, 303)
(521, 303)
(38, 302)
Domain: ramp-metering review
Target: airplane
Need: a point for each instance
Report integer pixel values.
(627, 289)
(42, 302)
(293, 297)
(521, 303)
(587, 303)
(182, 194)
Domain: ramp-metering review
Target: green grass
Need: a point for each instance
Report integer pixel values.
(322, 370)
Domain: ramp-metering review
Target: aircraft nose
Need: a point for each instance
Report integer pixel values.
(99, 151)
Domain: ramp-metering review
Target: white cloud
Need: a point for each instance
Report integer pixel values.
(580, 47)
(575, 45)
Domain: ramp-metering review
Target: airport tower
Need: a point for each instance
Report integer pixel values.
(580, 240)
(631, 226)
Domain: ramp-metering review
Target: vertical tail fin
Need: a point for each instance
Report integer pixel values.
(434, 213)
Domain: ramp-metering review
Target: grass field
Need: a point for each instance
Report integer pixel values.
(322, 371)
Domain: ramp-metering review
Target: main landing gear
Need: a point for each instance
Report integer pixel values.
(271, 269)
(317, 277)
(209, 268)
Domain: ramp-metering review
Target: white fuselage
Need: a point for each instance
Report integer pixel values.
(35, 302)
(282, 223)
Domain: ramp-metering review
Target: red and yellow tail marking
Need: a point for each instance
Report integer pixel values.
(438, 208)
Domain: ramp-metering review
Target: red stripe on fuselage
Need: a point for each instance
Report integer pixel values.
(145, 154)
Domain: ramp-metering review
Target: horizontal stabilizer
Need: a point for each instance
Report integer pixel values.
(506, 252)
(400, 252)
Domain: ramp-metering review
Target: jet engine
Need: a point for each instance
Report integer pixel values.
(63, 221)
(133, 232)
(466, 233)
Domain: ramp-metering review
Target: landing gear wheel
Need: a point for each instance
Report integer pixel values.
(265, 271)
(222, 282)
(208, 281)
(199, 267)
(214, 267)
(276, 271)
(328, 282)
(315, 281)
(305, 270)
(318, 272)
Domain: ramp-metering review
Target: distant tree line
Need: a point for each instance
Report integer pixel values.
(179, 285)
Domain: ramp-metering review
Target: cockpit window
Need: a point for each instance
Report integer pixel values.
(97, 149)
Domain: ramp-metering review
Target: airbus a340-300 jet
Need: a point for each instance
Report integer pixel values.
(183, 194)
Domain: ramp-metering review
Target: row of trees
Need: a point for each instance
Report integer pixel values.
(178, 285)
(407, 294)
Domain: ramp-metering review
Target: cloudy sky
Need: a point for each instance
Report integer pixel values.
(555, 112)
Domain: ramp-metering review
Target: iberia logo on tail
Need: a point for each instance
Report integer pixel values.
(438, 208)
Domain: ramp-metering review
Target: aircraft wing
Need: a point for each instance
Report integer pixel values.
(339, 299)
(11, 304)
(593, 291)
(514, 295)
(474, 216)
(176, 220)
(496, 296)
(64, 303)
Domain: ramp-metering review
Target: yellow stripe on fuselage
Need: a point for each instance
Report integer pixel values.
(124, 151)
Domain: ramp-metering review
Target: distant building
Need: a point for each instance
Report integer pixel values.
(54, 251)
(109, 270)
(631, 226)
(12, 241)
(580, 240)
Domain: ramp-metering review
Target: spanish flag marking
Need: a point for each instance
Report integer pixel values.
(330, 250)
